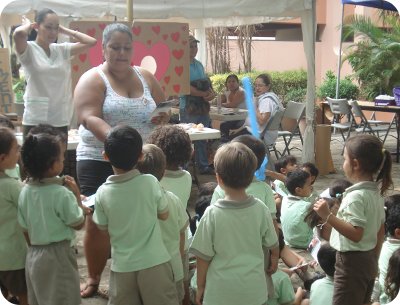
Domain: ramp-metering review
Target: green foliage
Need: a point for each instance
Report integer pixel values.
(347, 89)
(375, 57)
(18, 87)
(293, 83)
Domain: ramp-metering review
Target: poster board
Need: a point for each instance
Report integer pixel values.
(160, 47)
(6, 92)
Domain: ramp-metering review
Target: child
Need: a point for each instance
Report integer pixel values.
(314, 172)
(294, 208)
(49, 212)
(336, 189)
(392, 281)
(11, 172)
(283, 166)
(232, 234)
(322, 290)
(358, 228)
(127, 205)
(257, 189)
(172, 229)
(392, 242)
(203, 201)
(12, 242)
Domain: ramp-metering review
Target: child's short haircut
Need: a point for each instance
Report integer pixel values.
(6, 122)
(152, 162)
(296, 178)
(235, 164)
(174, 142)
(393, 218)
(284, 161)
(48, 129)
(311, 168)
(7, 138)
(256, 145)
(338, 187)
(207, 188)
(123, 147)
(327, 258)
(39, 152)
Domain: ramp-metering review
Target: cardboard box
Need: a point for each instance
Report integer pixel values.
(323, 156)
(6, 92)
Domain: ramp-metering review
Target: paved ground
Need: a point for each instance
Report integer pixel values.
(322, 183)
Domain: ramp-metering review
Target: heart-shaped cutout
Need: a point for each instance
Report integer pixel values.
(136, 30)
(177, 53)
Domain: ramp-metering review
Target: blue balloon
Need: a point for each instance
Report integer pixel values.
(248, 92)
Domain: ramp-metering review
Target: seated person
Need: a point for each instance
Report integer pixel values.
(314, 172)
(282, 167)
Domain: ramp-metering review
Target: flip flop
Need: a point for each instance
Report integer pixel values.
(89, 290)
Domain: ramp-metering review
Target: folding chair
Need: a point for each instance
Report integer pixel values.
(294, 112)
(341, 108)
(378, 128)
(272, 125)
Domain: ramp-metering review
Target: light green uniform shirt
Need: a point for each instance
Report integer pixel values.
(179, 183)
(280, 188)
(171, 228)
(284, 293)
(48, 211)
(296, 231)
(362, 206)
(127, 206)
(388, 247)
(257, 189)
(12, 242)
(322, 291)
(232, 235)
(14, 172)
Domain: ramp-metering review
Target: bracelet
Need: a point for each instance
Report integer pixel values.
(326, 221)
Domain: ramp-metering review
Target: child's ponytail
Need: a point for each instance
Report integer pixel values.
(384, 173)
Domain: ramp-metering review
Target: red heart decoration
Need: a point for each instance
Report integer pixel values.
(175, 36)
(167, 79)
(159, 51)
(176, 88)
(91, 32)
(178, 53)
(82, 57)
(102, 26)
(136, 30)
(165, 36)
(156, 29)
(96, 54)
(179, 70)
(75, 68)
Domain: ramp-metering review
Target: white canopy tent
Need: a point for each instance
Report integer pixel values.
(200, 14)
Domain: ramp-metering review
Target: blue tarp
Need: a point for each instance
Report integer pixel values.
(372, 3)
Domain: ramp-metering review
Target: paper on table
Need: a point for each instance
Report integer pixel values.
(163, 107)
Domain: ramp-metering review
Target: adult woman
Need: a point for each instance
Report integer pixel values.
(233, 97)
(110, 94)
(267, 104)
(47, 67)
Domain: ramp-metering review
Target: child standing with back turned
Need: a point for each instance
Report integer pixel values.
(232, 236)
(358, 228)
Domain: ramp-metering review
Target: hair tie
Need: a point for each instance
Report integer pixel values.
(338, 195)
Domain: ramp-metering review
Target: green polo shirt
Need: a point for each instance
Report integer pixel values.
(283, 288)
(322, 291)
(179, 183)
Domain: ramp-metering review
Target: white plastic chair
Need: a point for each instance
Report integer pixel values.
(274, 123)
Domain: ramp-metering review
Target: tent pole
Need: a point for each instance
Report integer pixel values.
(129, 10)
(340, 54)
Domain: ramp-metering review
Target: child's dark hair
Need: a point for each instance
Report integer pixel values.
(284, 161)
(123, 147)
(153, 161)
(296, 178)
(337, 188)
(202, 203)
(207, 188)
(392, 201)
(327, 258)
(174, 142)
(392, 281)
(235, 164)
(372, 157)
(392, 221)
(311, 168)
(6, 122)
(39, 152)
(312, 218)
(7, 137)
(256, 145)
(48, 129)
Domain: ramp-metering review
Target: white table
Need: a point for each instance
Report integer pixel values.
(227, 114)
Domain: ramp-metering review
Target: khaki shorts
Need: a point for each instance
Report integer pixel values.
(14, 281)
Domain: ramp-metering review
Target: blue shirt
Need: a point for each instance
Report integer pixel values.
(196, 71)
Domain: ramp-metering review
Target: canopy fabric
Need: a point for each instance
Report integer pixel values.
(385, 5)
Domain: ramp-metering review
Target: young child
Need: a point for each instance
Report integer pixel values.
(11, 172)
(358, 228)
(258, 189)
(283, 166)
(392, 242)
(49, 210)
(314, 172)
(392, 281)
(294, 208)
(203, 201)
(174, 227)
(232, 235)
(336, 189)
(12, 242)
(127, 205)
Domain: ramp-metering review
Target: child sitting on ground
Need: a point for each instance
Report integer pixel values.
(127, 205)
(336, 189)
(49, 210)
(294, 208)
(314, 172)
(174, 227)
(232, 236)
(12, 242)
(282, 167)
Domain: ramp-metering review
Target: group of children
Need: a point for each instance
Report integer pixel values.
(243, 226)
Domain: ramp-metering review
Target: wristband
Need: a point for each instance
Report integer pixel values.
(326, 221)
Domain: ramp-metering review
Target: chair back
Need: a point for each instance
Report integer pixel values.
(339, 106)
(294, 110)
(274, 122)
